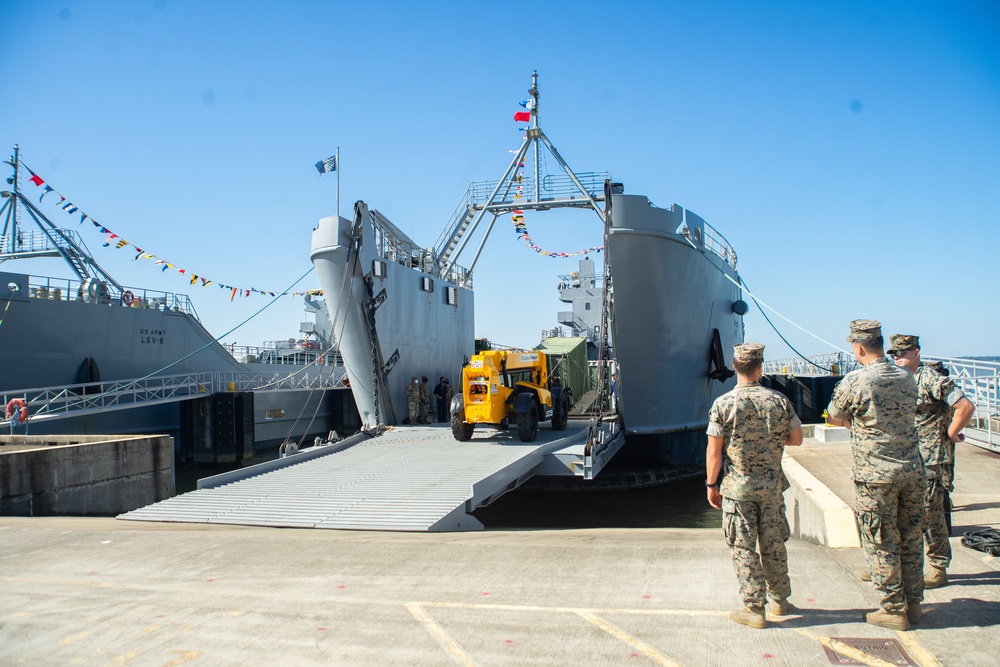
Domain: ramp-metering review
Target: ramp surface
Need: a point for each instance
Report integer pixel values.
(416, 478)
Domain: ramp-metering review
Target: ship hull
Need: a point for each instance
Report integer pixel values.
(668, 299)
(71, 343)
(419, 332)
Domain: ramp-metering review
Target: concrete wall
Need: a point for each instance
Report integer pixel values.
(84, 475)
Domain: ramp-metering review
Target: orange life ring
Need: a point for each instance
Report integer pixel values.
(128, 297)
(17, 405)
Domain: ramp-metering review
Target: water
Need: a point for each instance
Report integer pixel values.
(674, 505)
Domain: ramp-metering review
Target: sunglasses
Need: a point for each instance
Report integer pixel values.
(896, 354)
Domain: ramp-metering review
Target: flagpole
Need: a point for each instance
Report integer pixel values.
(337, 164)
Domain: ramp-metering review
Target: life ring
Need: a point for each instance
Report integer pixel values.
(17, 410)
(128, 297)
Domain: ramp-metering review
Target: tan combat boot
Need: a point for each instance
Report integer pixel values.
(865, 575)
(913, 612)
(751, 616)
(780, 607)
(894, 620)
(936, 578)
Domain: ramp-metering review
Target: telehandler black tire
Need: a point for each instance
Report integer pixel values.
(461, 429)
(560, 413)
(527, 423)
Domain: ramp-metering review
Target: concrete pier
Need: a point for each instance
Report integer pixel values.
(97, 591)
(83, 475)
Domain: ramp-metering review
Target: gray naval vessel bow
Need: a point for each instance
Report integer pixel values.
(91, 355)
(670, 302)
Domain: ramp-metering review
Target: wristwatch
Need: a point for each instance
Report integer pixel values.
(713, 484)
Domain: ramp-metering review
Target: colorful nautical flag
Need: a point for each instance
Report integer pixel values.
(522, 116)
(327, 165)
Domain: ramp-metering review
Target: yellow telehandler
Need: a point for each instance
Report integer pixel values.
(500, 386)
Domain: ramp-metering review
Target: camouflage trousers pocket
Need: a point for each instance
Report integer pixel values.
(730, 521)
(869, 519)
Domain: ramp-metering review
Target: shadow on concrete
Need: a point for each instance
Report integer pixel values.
(991, 578)
(961, 613)
(957, 613)
(972, 507)
(806, 618)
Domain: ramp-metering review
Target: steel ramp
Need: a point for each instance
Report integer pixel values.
(412, 478)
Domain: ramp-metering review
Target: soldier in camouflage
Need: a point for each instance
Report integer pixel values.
(878, 403)
(749, 428)
(942, 412)
(413, 400)
(425, 400)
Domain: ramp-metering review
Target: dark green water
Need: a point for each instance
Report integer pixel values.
(676, 505)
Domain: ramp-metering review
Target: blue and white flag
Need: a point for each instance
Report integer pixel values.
(327, 165)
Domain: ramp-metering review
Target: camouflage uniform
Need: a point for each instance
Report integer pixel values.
(449, 393)
(939, 368)
(425, 401)
(413, 400)
(880, 400)
(936, 396)
(753, 423)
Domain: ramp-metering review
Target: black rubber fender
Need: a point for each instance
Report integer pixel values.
(457, 405)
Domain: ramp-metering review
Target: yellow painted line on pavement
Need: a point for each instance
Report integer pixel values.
(633, 641)
(186, 656)
(73, 638)
(436, 631)
(123, 658)
(916, 651)
(144, 631)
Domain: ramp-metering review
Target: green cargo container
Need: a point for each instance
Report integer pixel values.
(567, 358)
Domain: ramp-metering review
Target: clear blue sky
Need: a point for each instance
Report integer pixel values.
(850, 151)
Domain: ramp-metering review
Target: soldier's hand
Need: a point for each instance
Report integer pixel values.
(714, 498)
(960, 437)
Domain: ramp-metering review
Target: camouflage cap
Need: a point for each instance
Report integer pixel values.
(902, 343)
(864, 331)
(748, 352)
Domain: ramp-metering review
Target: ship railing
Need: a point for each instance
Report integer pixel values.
(105, 294)
(35, 242)
(832, 363)
(570, 280)
(718, 244)
(393, 246)
(552, 188)
(281, 353)
(979, 380)
(50, 402)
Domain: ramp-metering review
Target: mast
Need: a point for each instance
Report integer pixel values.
(53, 241)
(497, 204)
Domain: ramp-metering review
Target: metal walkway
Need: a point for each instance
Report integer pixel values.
(412, 478)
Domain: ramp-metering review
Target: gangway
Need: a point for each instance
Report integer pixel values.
(46, 403)
(413, 478)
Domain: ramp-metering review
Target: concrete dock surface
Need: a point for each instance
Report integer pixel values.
(98, 591)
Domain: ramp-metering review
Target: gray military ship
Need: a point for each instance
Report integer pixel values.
(670, 303)
(84, 334)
